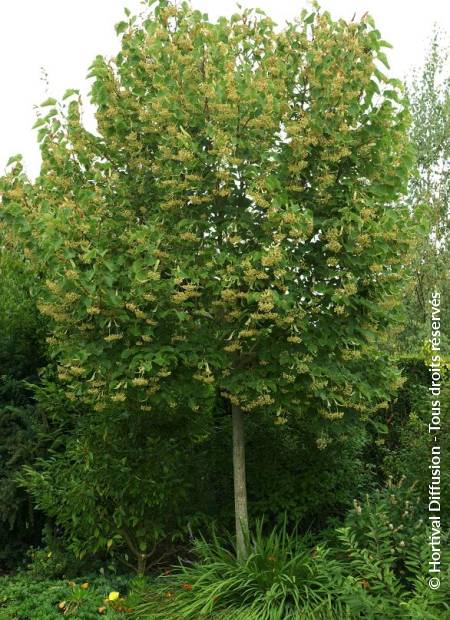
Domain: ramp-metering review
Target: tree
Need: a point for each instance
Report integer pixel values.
(429, 187)
(232, 229)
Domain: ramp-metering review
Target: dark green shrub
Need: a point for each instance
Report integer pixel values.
(390, 526)
(384, 552)
(120, 487)
(402, 448)
(21, 425)
(25, 598)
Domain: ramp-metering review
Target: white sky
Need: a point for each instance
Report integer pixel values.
(64, 36)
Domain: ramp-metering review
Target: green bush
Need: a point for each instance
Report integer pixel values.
(406, 449)
(54, 560)
(390, 526)
(119, 488)
(377, 569)
(25, 598)
(21, 440)
(383, 548)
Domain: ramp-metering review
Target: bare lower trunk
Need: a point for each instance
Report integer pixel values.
(240, 486)
(141, 564)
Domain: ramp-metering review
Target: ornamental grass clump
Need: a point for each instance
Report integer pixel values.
(282, 579)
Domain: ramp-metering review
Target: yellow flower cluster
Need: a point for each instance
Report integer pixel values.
(112, 337)
(294, 339)
(188, 236)
(53, 287)
(331, 415)
(228, 295)
(261, 401)
(120, 397)
(259, 200)
(350, 354)
(182, 296)
(248, 333)
(71, 297)
(350, 288)
(139, 382)
(332, 237)
(273, 257)
(251, 275)
(232, 347)
(207, 378)
(323, 441)
(266, 301)
(367, 213)
(288, 378)
(260, 316)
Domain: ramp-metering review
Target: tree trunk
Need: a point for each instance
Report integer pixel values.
(142, 564)
(240, 485)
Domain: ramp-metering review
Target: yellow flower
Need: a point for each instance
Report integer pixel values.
(113, 596)
(138, 381)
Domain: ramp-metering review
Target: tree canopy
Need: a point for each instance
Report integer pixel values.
(235, 228)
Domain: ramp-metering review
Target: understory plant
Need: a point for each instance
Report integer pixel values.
(281, 579)
(377, 568)
(23, 597)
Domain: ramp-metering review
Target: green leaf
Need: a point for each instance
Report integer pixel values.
(383, 58)
(14, 159)
(121, 27)
(39, 123)
(48, 102)
(69, 92)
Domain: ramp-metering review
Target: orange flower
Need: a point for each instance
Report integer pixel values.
(186, 586)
